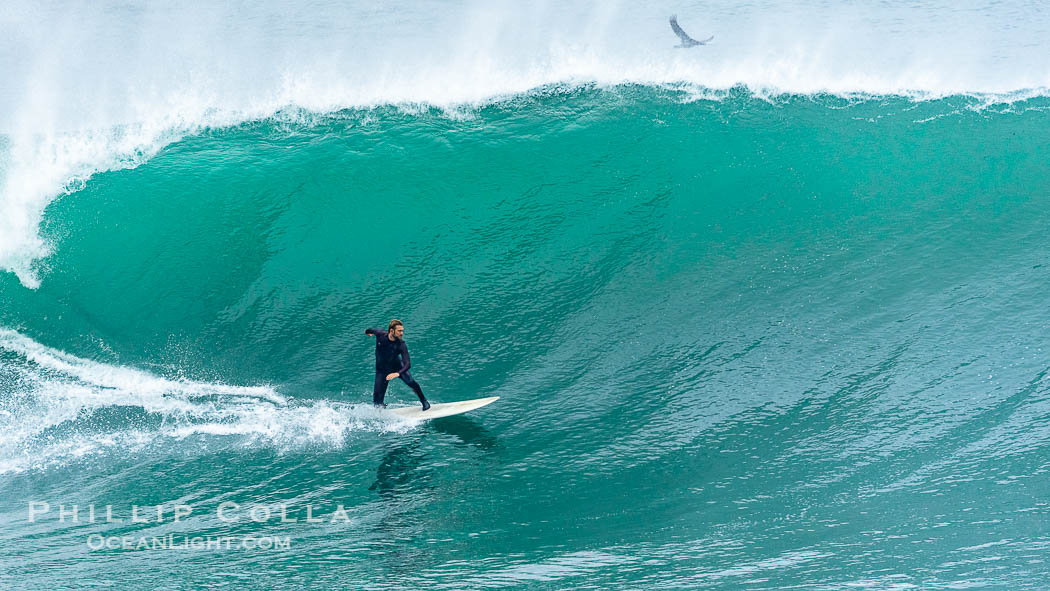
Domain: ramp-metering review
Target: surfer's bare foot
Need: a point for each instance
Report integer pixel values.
(380, 405)
(426, 405)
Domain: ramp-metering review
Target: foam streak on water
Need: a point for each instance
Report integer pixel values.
(57, 408)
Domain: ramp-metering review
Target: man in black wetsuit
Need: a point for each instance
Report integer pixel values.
(390, 346)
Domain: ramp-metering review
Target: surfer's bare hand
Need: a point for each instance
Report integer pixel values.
(391, 376)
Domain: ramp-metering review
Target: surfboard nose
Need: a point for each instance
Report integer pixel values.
(442, 409)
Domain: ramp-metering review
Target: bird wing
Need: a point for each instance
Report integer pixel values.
(682, 34)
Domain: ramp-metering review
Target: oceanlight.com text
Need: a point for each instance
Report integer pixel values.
(171, 542)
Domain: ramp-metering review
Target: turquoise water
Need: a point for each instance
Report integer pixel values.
(739, 344)
(768, 316)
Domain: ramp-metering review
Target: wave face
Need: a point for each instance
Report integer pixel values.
(789, 341)
(743, 339)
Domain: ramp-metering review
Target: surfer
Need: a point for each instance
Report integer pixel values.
(687, 41)
(390, 346)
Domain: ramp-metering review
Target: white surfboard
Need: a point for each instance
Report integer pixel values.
(441, 409)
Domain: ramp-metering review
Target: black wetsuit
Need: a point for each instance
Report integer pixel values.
(387, 362)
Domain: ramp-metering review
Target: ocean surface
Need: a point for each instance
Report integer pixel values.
(764, 314)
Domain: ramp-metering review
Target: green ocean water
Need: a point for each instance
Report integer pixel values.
(740, 343)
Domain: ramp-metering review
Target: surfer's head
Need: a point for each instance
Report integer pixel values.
(396, 329)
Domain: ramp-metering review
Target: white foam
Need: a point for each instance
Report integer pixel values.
(48, 412)
(101, 85)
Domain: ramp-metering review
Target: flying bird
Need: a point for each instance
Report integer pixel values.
(687, 41)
